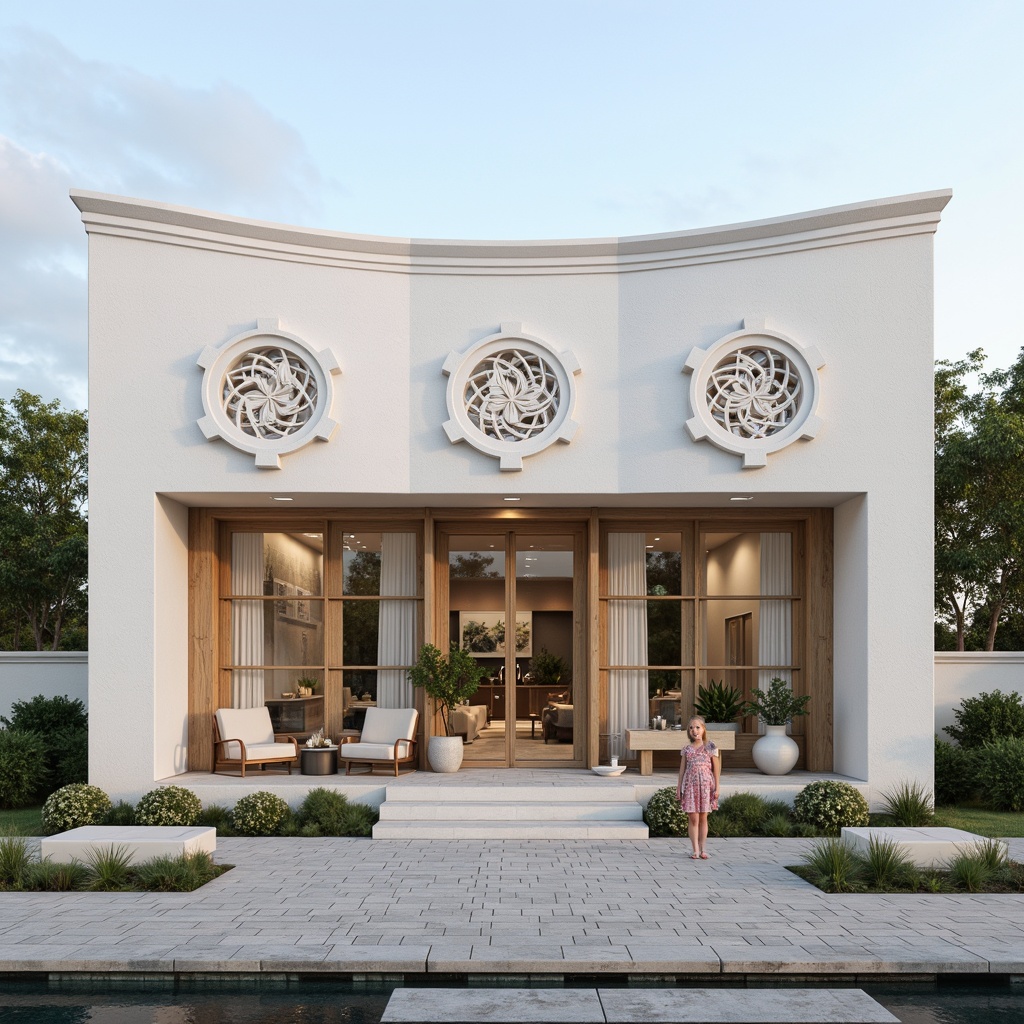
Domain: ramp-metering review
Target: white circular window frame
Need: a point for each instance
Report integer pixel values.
(754, 333)
(510, 454)
(216, 362)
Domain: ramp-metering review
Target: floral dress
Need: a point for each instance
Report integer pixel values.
(698, 785)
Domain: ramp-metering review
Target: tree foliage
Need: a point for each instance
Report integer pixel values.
(43, 527)
(979, 497)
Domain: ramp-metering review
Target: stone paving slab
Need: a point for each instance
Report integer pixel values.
(633, 1006)
(551, 908)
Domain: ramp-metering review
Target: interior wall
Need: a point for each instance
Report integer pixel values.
(733, 567)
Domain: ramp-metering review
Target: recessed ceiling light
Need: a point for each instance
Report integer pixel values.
(278, 497)
(311, 535)
(742, 497)
(511, 499)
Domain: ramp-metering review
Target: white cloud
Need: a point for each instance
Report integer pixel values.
(67, 122)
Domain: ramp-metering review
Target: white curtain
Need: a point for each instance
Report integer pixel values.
(247, 620)
(628, 704)
(775, 632)
(396, 635)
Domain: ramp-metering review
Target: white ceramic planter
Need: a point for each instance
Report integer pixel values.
(444, 753)
(775, 753)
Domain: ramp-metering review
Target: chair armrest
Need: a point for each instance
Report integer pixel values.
(224, 743)
(412, 746)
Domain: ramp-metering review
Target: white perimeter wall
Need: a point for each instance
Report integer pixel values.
(28, 674)
(963, 674)
(165, 283)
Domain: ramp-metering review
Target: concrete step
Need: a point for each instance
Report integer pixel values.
(549, 829)
(595, 791)
(502, 810)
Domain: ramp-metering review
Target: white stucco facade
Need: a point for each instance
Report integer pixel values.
(852, 285)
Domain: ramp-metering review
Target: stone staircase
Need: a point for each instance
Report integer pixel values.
(475, 811)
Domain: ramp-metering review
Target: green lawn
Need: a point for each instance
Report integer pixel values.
(992, 824)
(27, 821)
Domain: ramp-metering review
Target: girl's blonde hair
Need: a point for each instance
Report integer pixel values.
(703, 727)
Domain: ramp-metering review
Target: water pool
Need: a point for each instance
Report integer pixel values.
(266, 1001)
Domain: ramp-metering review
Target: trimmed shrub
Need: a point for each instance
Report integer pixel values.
(63, 724)
(68, 755)
(24, 773)
(830, 806)
(74, 806)
(956, 773)
(122, 813)
(326, 812)
(1002, 771)
(664, 815)
(987, 717)
(748, 810)
(218, 817)
(168, 805)
(47, 715)
(259, 814)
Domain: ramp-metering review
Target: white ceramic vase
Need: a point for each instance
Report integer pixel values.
(444, 753)
(775, 753)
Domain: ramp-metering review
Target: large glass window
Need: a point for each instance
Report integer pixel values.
(340, 629)
(685, 604)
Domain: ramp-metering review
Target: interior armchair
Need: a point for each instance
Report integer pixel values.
(557, 722)
(388, 738)
(244, 738)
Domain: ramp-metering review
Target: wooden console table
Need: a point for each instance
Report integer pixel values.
(646, 741)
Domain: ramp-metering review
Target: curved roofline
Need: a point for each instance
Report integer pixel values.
(120, 215)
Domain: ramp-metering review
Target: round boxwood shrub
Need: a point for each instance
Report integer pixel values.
(664, 815)
(73, 806)
(258, 814)
(830, 806)
(168, 805)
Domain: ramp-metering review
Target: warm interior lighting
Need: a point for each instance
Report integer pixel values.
(511, 499)
(742, 497)
(276, 497)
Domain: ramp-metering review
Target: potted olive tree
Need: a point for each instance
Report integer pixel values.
(775, 752)
(719, 705)
(447, 681)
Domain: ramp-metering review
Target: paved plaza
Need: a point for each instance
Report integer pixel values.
(480, 908)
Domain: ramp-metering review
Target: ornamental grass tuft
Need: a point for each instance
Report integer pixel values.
(832, 865)
(910, 805)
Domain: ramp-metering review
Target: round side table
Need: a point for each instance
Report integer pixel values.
(318, 760)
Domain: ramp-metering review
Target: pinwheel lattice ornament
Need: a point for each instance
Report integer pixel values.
(267, 392)
(510, 396)
(754, 392)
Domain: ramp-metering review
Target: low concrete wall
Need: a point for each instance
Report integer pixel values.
(960, 674)
(27, 674)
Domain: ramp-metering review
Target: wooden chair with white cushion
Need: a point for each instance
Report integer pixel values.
(243, 737)
(388, 738)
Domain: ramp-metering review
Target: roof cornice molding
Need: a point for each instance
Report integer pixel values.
(838, 225)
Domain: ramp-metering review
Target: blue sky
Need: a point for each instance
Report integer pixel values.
(504, 119)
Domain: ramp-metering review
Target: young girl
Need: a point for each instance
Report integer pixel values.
(697, 792)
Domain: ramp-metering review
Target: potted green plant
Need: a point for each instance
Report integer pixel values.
(719, 705)
(775, 753)
(447, 680)
(547, 669)
(307, 685)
